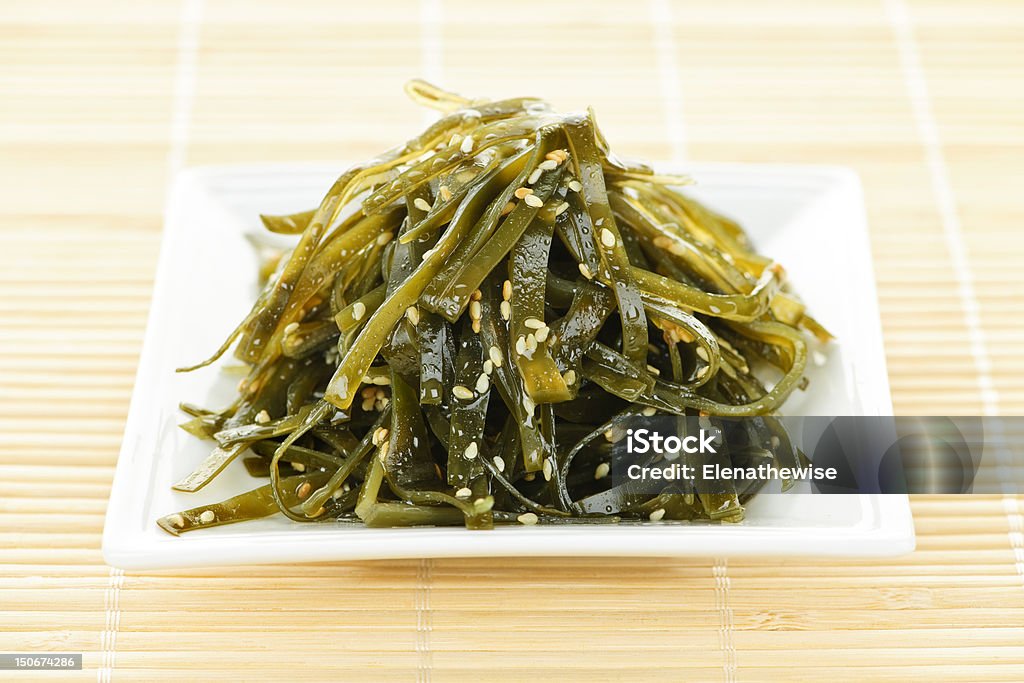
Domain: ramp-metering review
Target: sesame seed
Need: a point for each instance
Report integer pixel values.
(702, 353)
(477, 295)
(471, 450)
(527, 519)
(528, 405)
(499, 462)
(384, 238)
(382, 453)
(575, 185)
(547, 469)
(488, 366)
(298, 467)
(367, 404)
(380, 435)
(569, 377)
(358, 310)
(819, 358)
(482, 383)
(382, 380)
(263, 417)
(176, 520)
(474, 310)
(653, 370)
(522, 193)
(494, 353)
(548, 165)
(506, 290)
(521, 346)
(561, 208)
(602, 470)
(649, 411)
(421, 204)
(703, 371)
(413, 315)
(445, 193)
(463, 493)
(534, 201)
(542, 334)
(531, 343)
(508, 209)
(454, 139)
(657, 515)
(534, 177)
(585, 272)
(207, 516)
(467, 145)
(506, 310)
(475, 325)
(461, 392)
(533, 323)
(715, 309)
(553, 155)
(304, 490)
(607, 237)
(290, 328)
(775, 441)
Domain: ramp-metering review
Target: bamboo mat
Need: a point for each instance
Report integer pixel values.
(103, 101)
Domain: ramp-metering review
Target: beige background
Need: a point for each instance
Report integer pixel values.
(100, 102)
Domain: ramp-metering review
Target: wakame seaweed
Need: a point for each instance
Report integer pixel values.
(466, 321)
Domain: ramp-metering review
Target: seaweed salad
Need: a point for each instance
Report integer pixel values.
(466, 322)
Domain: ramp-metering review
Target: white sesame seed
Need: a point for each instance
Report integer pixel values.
(653, 370)
(534, 201)
(547, 469)
(488, 366)
(569, 377)
(461, 392)
(508, 208)
(819, 358)
(715, 309)
(262, 417)
(494, 353)
(207, 516)
(533, 323)
(575, 185)
(474, 310)
(585, 272)
(176, 520)
(657, 514)
(471, 451)
(607, 237)
(649, 411)
(467, 145)
(382, 453)
(702, 353)
(427, 254)
(602, 470)
(506, 310)
(522, 193)
(421, 204)
(561, 208)
(531, 343)
(382, 380)
(304, 490)
(527, 519)
(444, 193)
(499, 462)
(506, 290)
(412, 314)
(528, 405)
(454, 139)
(463, 493)
(358, 310)
(298, 467)
(367, 404)
(535, 176)
(703, 371)
(548, 165)
(290, 328)
(482, 383)
(521, 346)
(477, 295)
(384, 238)
(380, 435)
(542, 334)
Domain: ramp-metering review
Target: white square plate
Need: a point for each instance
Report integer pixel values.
(809, 218)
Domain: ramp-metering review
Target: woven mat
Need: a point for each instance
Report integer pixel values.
(104, 101)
